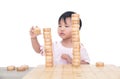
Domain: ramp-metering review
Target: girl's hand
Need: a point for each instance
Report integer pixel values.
(84, 62)
(67, 58)
(32, 32)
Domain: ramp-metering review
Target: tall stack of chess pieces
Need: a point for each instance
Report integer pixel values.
(48, 47)
(76, 39)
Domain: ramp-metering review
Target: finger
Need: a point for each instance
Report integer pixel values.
(32, 27)
(31, 30)
(63, 56)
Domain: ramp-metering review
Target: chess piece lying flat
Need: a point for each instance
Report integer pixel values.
(99, 64)
(10, 68)
(22, 68)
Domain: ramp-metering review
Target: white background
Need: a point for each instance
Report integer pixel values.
(99, 33)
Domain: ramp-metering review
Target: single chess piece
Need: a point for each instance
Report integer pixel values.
(49, 64)
(76, 62)
(10, 68)
(75, 18)
(25, 67)
(20, 68)
(99, 64)
(46, 29)
(37, 30)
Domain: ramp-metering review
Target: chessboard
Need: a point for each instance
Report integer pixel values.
(71, 72)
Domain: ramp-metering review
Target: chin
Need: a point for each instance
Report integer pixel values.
(62, 37)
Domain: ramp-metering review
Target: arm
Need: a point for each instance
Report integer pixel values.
(34, 41)
(69, 59)
(84, 56)
(35, 44)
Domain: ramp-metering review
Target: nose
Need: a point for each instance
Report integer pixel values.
(63, 28)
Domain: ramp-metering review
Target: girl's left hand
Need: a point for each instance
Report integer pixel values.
(67, 58)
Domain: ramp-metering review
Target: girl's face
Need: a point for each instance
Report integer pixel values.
(65, 29)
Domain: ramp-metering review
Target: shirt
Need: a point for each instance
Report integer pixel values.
(59, 49)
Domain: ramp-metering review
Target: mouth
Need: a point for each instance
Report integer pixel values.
(62, 34)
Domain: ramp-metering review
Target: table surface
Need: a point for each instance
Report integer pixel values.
(4, 74)
(69, 72)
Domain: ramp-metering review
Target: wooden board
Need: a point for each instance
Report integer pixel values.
(69, 72)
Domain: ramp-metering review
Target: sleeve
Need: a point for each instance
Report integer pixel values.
(84, 54)
(42, 49)
(42, 52)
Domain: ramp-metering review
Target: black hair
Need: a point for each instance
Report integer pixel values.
(66, 15)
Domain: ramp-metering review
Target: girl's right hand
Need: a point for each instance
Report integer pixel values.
(32, 33)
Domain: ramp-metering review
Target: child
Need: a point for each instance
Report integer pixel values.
(62, 51)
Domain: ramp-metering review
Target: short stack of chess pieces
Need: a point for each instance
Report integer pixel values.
(76, 40)
(20, 68)
(48, 47)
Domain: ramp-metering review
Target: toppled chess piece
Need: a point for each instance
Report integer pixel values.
(10, 68)
(99, 64)
(22, 68)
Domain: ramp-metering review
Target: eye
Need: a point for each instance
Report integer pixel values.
(59, 26)
(66, 26)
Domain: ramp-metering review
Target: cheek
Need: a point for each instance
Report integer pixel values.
(69, 32)
(58, 31)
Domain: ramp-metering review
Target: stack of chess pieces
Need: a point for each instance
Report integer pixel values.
(48, 47)
(76, 40)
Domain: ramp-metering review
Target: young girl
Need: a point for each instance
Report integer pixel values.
(62, 51)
